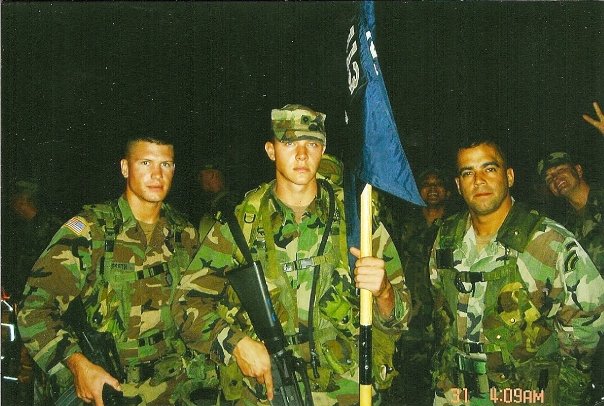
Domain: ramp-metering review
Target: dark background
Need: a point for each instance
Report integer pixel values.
(77, 78)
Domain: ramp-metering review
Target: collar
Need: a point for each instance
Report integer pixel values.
(128, 219)
(318, 207)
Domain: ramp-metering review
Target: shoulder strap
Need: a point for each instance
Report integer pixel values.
(249, 210)
(109, 218)
(452, 231)
(518, 227)
(314, 357)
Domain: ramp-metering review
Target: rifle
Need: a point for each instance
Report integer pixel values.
(99, 348)
(597, 375)
(250, 286)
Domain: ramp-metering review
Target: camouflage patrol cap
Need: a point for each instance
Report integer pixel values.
(296, 122)
(332, 169)
(553, 159)
(27, 187)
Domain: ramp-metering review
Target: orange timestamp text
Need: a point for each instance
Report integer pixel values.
(504, 395)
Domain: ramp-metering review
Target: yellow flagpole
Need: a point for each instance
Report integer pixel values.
(366, 313)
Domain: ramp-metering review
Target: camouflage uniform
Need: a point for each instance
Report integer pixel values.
(287, 251)
(126, 290)
(588, 226)
(514, 314)
(415, 347)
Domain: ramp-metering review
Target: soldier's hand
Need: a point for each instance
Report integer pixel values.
(254, 361)
(370, 274)
(599, 122)
(89, 379)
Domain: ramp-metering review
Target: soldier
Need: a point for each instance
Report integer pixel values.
(518, 302)
(28, 229)
(124, 259)
(584, 217)
(284, 222)
(418, 231)
(216, 194)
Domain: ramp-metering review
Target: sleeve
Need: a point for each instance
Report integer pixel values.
(384, 248)
(205, 308)
(432, 265)
(56, 278)
(581, 316)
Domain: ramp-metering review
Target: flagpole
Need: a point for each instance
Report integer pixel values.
(365, 372)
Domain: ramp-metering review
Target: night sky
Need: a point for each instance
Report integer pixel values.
(78, 78)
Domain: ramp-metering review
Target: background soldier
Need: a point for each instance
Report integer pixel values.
(516, 297)
(123, 259)
(216, 195)
(584, 215)
(29, 229)
(418, 230)
(284, 222)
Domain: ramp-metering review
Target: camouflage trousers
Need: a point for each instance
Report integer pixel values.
(345, 393)
(172, 382)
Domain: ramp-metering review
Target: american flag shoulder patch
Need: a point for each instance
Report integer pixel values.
(76, 224)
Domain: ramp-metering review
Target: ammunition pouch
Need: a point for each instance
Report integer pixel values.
(471, 373)
(159, 370)
(231, 381)
(201, 369)
(574, 385)
(383, 359)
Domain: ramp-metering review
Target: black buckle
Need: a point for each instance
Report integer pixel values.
(298, 338)
(151, 340)
(473, 347)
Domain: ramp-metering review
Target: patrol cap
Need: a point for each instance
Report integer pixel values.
(26, 187)
(553, 159)
(430, 172)
(297, 122)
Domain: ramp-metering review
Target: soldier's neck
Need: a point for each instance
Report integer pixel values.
(296, 195)
(578, 198)
(488, 224)
(147, 212)
(433, 213)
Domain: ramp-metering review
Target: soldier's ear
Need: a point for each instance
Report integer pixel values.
(510, 175)
(269, 147)
(457, 183)
(124, 168)
(579, 170)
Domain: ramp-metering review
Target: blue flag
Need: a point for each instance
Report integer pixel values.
(381, 162)
(376, 156)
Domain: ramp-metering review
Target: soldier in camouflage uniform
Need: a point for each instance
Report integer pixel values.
(585, 215)
(418, 231)
(124, 260)
(519, 304)
(284, 222)
(27, 229)
(216, 195)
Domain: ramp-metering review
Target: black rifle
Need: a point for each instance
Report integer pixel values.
(597, 375)
(99, 348)
(249, 284)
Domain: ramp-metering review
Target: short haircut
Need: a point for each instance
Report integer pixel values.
(475, 142)
(153, 140)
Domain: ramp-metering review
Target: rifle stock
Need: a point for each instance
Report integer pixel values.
(99, 348)
(249, 284)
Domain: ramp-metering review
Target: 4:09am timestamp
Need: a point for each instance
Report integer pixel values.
(505, 395)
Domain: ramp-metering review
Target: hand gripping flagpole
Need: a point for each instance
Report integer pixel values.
(380, 163)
